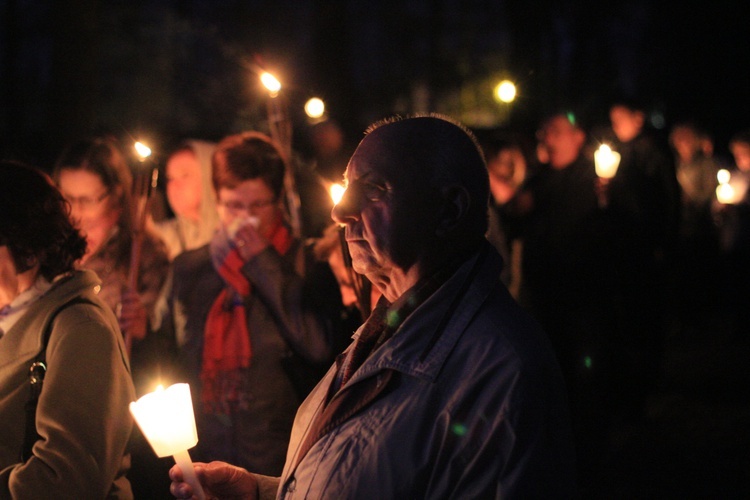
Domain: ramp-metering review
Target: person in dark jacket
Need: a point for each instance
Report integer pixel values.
(449, 390)
(251, 316)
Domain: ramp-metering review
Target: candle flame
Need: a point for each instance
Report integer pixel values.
(337, 192)
(270, 82)
(142, 150)
(723, 176)
(606, 161)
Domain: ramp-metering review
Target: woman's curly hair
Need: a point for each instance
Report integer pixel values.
(35, 223)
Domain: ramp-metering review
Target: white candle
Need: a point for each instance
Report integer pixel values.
(606, 161)
(168, 423)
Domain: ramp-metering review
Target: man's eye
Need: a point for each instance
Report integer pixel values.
(373, 192)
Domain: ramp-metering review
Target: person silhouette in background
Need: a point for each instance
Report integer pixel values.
(567, 282)
(508, 166)
(698, 243)
(191, 198)
(643, 212)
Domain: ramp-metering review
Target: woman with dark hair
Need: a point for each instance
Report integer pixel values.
(73, 445)
(95, 178)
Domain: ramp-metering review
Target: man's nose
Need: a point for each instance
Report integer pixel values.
(346, 210)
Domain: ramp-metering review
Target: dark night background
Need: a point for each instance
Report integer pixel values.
(167, 70)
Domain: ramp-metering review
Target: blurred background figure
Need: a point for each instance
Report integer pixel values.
(567, 283)
(697, 247)
(643, 214)
(94, 177)
(508, 164)
(70, 439)
(324, 154)
(733, 218)
(330, 152)
(254, 317)
(696, 173)
(191, 198)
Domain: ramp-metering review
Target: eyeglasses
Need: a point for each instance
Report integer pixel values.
(86, 202)
(235, 207)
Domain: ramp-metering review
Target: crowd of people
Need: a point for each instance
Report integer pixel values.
(499, 347)
(618, 269)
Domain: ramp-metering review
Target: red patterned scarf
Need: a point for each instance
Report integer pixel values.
(226, 343)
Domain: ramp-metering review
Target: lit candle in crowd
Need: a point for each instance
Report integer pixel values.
(731, 189)
(606, 161)
(168, 423)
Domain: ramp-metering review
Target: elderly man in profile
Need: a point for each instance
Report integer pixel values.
(449, 389)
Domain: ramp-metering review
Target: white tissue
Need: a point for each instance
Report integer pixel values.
(239, 222)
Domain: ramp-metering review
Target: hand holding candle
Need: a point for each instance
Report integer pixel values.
(167, 421)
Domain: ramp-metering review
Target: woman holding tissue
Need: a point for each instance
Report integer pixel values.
(66, 435)
(249, 310)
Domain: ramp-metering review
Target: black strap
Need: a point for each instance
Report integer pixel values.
(37, 370)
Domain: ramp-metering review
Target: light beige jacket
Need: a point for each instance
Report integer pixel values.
(82, 417)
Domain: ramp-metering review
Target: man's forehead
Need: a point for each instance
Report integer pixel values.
(381, 151)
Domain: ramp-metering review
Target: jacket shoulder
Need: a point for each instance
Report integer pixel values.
(191, 261)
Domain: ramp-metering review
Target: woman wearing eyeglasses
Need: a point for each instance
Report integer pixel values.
(250, 313)
(94, 177)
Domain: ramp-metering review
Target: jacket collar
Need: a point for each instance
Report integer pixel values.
(419, 347)
(26, 335)
(424, 340)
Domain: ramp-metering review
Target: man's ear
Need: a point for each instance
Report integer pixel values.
(454, 207)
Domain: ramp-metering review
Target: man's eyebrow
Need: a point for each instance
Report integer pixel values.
(362, 177)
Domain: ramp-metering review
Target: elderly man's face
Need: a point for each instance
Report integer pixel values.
(387, 218)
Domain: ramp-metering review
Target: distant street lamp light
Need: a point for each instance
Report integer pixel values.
(315, 108)
(505, 91)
